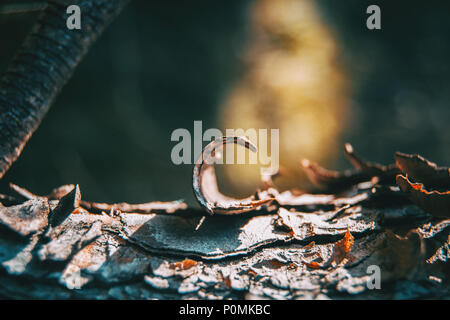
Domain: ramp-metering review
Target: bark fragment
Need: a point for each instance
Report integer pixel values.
(307, 246)
(334, 181)
(66, 206)
(434, 202)
(205, 184)
(421, 170)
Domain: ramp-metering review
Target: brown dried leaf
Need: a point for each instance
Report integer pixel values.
(435, 202)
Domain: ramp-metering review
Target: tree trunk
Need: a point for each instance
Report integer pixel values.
(42, 67)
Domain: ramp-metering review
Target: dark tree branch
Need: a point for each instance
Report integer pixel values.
(43, 65)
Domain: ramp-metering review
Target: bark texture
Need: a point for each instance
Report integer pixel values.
(297, 246)
(42, 67)
(308, 246)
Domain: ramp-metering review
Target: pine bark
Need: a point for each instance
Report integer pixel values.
(42, 66)
(300, 247)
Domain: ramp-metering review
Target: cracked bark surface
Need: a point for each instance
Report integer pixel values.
(298, 246)
(283, 251)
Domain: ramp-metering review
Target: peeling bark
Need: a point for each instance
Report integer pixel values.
(286, 245)
(205, 184)
(281, 252)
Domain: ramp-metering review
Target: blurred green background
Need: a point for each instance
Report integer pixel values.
(162, 65)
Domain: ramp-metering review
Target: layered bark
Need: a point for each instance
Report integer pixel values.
(300, 247)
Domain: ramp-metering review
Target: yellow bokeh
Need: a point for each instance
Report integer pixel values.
(294, 83)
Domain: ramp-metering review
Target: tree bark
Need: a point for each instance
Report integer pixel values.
(300, 247)
(43, 65)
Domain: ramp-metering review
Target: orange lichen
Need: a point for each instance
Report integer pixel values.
(292, 266)
(183, 265)
(309, 245)
(435, 202)
(252, 273)
(312, 265)
(342, 249)
(347, 242)
(227, 282)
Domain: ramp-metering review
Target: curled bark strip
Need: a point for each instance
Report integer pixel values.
(267, 179)
(205, 186)
(355, 160)
(384, 172)
(59, 193)
(435, 202)
(330, 179)
(27, 194)
(422, 170)
(338, 180)
(145, 208)
(168, 207)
